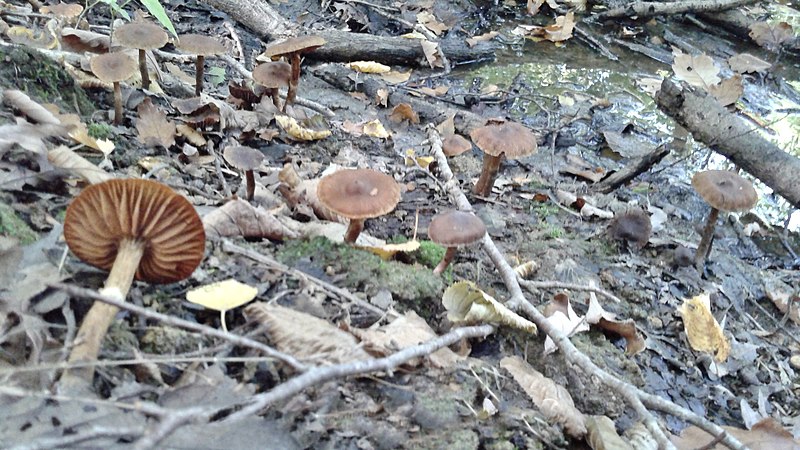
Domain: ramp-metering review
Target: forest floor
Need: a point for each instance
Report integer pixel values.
(471, 396)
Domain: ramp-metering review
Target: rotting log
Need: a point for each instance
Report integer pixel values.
(644, 10)
(429, 111)
(725, 133)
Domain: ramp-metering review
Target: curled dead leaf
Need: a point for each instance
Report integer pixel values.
(466, 303)
(240, 218)
(702, 329)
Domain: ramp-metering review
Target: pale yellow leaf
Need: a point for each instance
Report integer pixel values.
(375, 129)
(297, 131)
(369, 67)
(702, 329)
(394, 77)
(386, 251)
(465, 302)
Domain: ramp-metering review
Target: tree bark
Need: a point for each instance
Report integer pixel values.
(644, 10)
(730, 136)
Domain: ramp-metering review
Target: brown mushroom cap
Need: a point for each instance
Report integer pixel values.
(301, 44)
(65, 10)
(455, 145)
(141, 35)
(508, 138)
(106, 213)
(725, 190)
(272, 75)
(632, 226)
(113, 67)
(454, 228)
(198, 44)
(243, 158)
(359, 193)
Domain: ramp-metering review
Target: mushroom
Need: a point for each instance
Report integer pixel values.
(723, 190)
(201, 46)
(273, 76)
(292, 48)
(453, 229)
(455, 145)
(142, 36)
(632, 227)
(113, 68)
(507, 138)
(133, 228)
(68, 12)
(247, 159)
(358, 194)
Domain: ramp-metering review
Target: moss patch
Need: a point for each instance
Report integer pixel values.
(11, 225)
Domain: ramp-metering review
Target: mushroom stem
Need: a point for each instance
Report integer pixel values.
(294, 80)
(449, 254)
(198, 75)
(251, 184)
(101, 315)
(491, 164)
(143, 69)
(353, 230)
(704, 248)
(117, 103)
(276, 98)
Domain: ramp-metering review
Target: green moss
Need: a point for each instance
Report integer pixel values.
(99, 130)
(430, 253)
(365, 271)
(162, 340)
(42, 79)
(11, 225)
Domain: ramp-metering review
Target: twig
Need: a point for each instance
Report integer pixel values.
(517, 300)
(645, 10)
(72, 440)
(230, 247)
(532, 286)
(180, 323)
(322, 374)
(218, 169)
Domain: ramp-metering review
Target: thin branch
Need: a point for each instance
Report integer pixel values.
(180, 323)
(518, 301)
(532, 286)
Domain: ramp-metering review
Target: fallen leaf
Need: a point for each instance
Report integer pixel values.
(607, 321)
(431, 51)
(190, 134)
(369, 67)
(466, 303)
(702, 329)
(698, 70)
(628, 144)
(580, 168)
(387, 251)
(429, 21)
(382, 97)
(560, 314)
(771, 36)
(473, 41)
(222, 296)
(562, 29)
(293, 128)
(552, 400)
(402, 112)
(63, 157)
(396, 77)
(240, 218)
(766, 434)
(602, 434)
(728, 91)
(747, 63)
(153, 127)
(374, 128)
(412, 159)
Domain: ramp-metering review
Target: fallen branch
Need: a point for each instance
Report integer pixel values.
(632, 395)
(631, 170)
(644, 10)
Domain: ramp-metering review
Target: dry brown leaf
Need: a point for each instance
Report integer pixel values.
(728, 91)
(553, 400)
(602, 434)
(402, 112)
(747, 63)
(702, 329)
(766, 434)
(526, 269)
(80, 41)
(64, 158)
(240, 218)
(771, 36)
(596, 315)
(301, 194)
(307, 338)
(447, 127)
(560, 314)
(403, 332)
(580, 168)
(438, 91)
(382, 97)
(562, 29)
(431, 51)
(698, 70)
(396, 77)
(429, 21)
(473, 41)
(153, 127)
(369, 67)
(387, 251)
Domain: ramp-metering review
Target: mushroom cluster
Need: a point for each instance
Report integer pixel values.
(272, 76)
(723, 190)
(142, 36)
(292, 49)
(135, 229)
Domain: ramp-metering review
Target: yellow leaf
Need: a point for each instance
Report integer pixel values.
(414, 35)
(465, 302)
(375, 129)
(386, 251)
(296, 131)
(396, 77)
(702, 329)
(223, 295)
(412, 160)
(369, 67)
(81, 136)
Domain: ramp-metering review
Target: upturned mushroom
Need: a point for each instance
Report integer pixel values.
(508, 139)
(723, 190)
(633, 227)
(114, 68)
(142, 36)
(273, 76)
(453, 229)
(135, 229)
(246, 159)
(358, 194)
(292, 48)
(201, 46)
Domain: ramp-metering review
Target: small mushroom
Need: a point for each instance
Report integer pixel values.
(453, 229)
(201, 46)
(273, 76)
(292, 48)
(507, 138)
(135, 229)
(632, 227)
(113, 68)
(68, 12)
(358, 194)
(247, 159)
(455, 145)
(142, 36)
(723, 190)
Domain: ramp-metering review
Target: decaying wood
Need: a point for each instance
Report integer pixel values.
(427, 110)
(257, 15)
(631, 170)
(652, 9)
(732, 137)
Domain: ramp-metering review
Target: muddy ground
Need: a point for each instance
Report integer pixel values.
(414, 407)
